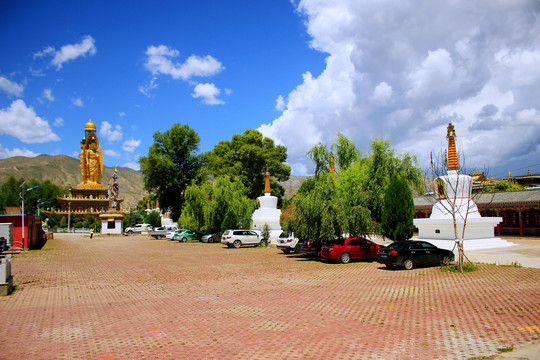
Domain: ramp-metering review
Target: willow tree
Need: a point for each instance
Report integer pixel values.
(214, 207)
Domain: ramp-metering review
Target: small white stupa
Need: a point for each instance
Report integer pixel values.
(267, 213)
(454, 196)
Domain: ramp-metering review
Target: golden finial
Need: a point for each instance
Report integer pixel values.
(267, 182)
(332, 166)
(452, 154)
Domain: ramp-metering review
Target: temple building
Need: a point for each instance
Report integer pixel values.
(455, 214)
(90, 196)
(267, 213)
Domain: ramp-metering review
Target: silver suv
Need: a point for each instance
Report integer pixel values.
(237, 238)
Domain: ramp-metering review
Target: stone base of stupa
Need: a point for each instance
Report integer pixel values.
(479, 233)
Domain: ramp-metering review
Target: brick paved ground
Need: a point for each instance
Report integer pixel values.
(138, 298)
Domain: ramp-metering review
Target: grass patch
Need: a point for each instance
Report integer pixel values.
(513, 264)
(506, 349)
(468, 267)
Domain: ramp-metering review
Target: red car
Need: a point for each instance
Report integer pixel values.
(350, 249)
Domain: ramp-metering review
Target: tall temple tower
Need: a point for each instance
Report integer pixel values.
(455, 215)
(90, 196)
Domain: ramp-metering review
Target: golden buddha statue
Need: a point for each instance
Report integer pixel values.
(91, 158)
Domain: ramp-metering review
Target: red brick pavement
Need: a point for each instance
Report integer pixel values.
(139, 298)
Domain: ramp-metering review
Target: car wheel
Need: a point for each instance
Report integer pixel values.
(447, 260)
(264, 243)
(237, 243)
(130, 232)
(345, 258)
(184, 239)
(159, 237)
(408, 264)
(286, 251)
(210, 239)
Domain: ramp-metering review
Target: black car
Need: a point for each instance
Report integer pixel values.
(414, 253)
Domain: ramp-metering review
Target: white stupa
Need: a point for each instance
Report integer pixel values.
(267, 213)
(454, 196)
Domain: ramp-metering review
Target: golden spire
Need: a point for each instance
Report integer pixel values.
(452, 154)
(267, 182)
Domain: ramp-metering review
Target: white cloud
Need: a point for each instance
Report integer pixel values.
(132, 165)
(22, 122)
(122, 114)
(58, 122)
(70, 52)
(159, 61)
(131, 145)
(108, 132)
(208, 93)
(12, 88)
(112, 153)
(7, 153)
(403, 70)
(280, 103)
(382, 93)
(78, 102)
(47, 94)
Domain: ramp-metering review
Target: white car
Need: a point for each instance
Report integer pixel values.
(287, 243)
(237, 238)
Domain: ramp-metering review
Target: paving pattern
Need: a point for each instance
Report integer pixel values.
(140, 298)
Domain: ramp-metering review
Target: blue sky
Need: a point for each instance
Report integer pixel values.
(300, 72)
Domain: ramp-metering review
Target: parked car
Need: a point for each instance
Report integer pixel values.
(349, 249)
(414, 253)
(211, 238)
(237, 238)
(287, 243)
(185, 235)
(313, 248)
(171, 233)
(162, 231)
(138, 229)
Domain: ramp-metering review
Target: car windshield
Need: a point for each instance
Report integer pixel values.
(396, 245)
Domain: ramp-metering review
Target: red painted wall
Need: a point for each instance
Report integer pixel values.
(33, 235)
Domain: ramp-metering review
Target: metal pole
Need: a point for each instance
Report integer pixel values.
(22, 212)
(69, 215)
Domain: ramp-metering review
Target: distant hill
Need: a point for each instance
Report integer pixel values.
(292, 185)
(64, 171)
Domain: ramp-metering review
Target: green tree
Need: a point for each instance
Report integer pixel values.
(382, 164)
(214, 207)
(503, 186)
(132, 218)
(398, 210)
(45, 193)
(172, 163)
(344, 155)
(153, 218)
(246, 157)
(346, 152)
(316, 211)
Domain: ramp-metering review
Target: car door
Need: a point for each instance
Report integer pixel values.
(369, 250)
(432, 254)
(418, 253)
(247, 237)
(352, 246)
